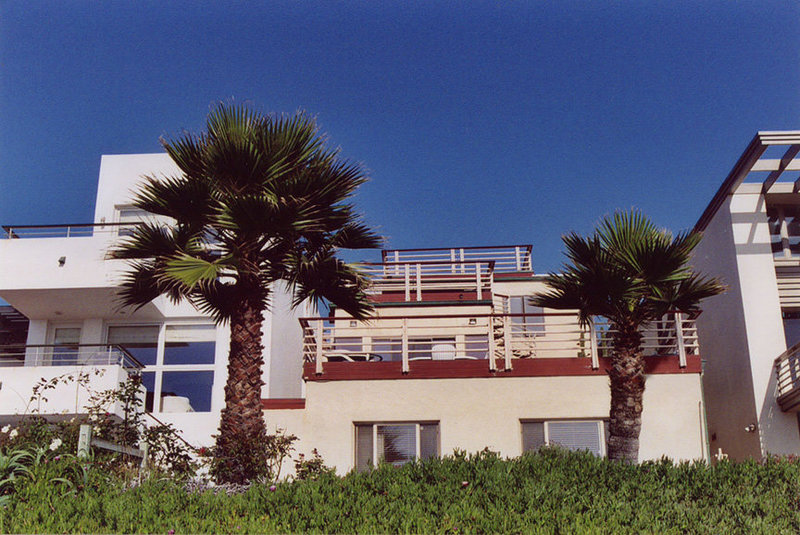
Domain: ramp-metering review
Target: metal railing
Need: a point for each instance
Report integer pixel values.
(414, 279)
(67, 355)
(787, 370)
(496, 338)
(507, 258)
(72, 230)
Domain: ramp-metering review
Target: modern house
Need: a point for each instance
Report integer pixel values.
(454, 358)
(750, 334)
(60, 279)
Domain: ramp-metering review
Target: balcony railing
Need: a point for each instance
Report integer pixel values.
(496, 338)
(67, 355)
(787, 369)
(64, 231)
(506, 258)
(416, 280)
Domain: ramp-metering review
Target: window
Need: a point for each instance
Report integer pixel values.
(525, 324)
(571, 434)
(395, 443)
(178, 360)
(130, 214)
(65, 346)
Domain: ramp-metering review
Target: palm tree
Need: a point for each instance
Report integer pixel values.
(259, 199)
(632, 273)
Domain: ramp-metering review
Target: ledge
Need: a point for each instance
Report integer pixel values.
(283, 403)
(464, 369)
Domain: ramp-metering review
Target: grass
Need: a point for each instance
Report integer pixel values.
(551, 491)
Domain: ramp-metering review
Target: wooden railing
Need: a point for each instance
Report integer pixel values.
(506, 258)
(496, 338)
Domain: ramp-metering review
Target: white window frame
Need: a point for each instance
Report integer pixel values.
(601, 429)
(376, 458)
(159, 367)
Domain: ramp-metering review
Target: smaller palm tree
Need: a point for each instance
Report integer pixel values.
(632, 273)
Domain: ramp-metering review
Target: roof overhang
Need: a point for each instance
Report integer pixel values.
(751, 161)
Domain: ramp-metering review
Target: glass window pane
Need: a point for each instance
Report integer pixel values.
(189, 344)
(363, 446)
(140, 341)
(397, 444)
(575, 435)
(149, 384)
(65, 342)
(428, 440)
(477, 346)
(532, 435)
(348, 343)
(186, 391)
(387, 348)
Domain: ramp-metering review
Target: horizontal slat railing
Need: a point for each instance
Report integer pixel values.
(787, 370)
(67, 355)
(507, 258)
(415, 279)
(496, 338)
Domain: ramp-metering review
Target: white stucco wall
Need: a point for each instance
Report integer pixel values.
(478, 413)
(741, 331)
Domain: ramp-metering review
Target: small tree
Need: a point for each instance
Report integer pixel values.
(630, 272)
(259, 199)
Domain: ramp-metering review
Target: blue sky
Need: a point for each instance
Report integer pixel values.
(480, 122)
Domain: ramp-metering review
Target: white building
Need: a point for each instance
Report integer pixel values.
(752, 241)
(455, 358)
(60, 279)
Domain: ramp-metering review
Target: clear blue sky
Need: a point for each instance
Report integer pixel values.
(480, 122)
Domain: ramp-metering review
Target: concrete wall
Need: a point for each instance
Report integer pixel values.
(478, 413)
(741, 332)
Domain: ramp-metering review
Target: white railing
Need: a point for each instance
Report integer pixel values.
(787, 370)
(507, 258)
(414, 279)
(66, 355)
(64, 231)
(495, 338)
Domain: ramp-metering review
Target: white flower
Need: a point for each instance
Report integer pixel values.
(5, 429)
(13, 434)
(55, 444)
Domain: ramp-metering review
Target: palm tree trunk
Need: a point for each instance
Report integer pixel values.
(627, 379)
(240, 455)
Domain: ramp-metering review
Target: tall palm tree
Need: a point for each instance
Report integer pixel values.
(259, 199)
(632, 273)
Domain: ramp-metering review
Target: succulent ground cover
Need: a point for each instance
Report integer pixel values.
(549, 491)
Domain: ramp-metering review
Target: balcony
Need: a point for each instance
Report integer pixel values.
(430, 280)
(63, 270)
(476, 345)
(787, 370)
(74, 372)
(505, 258)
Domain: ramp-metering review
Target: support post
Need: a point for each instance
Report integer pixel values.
(593, 344)
(318, 336)
(407, 282)
(419, 282)
(507, 341)
(492, 347)
(679, 339)
(404, 346)
(478, 280)
(517, 258)
(84, 441)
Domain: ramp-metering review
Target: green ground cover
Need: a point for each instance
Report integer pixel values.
(551, 491)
